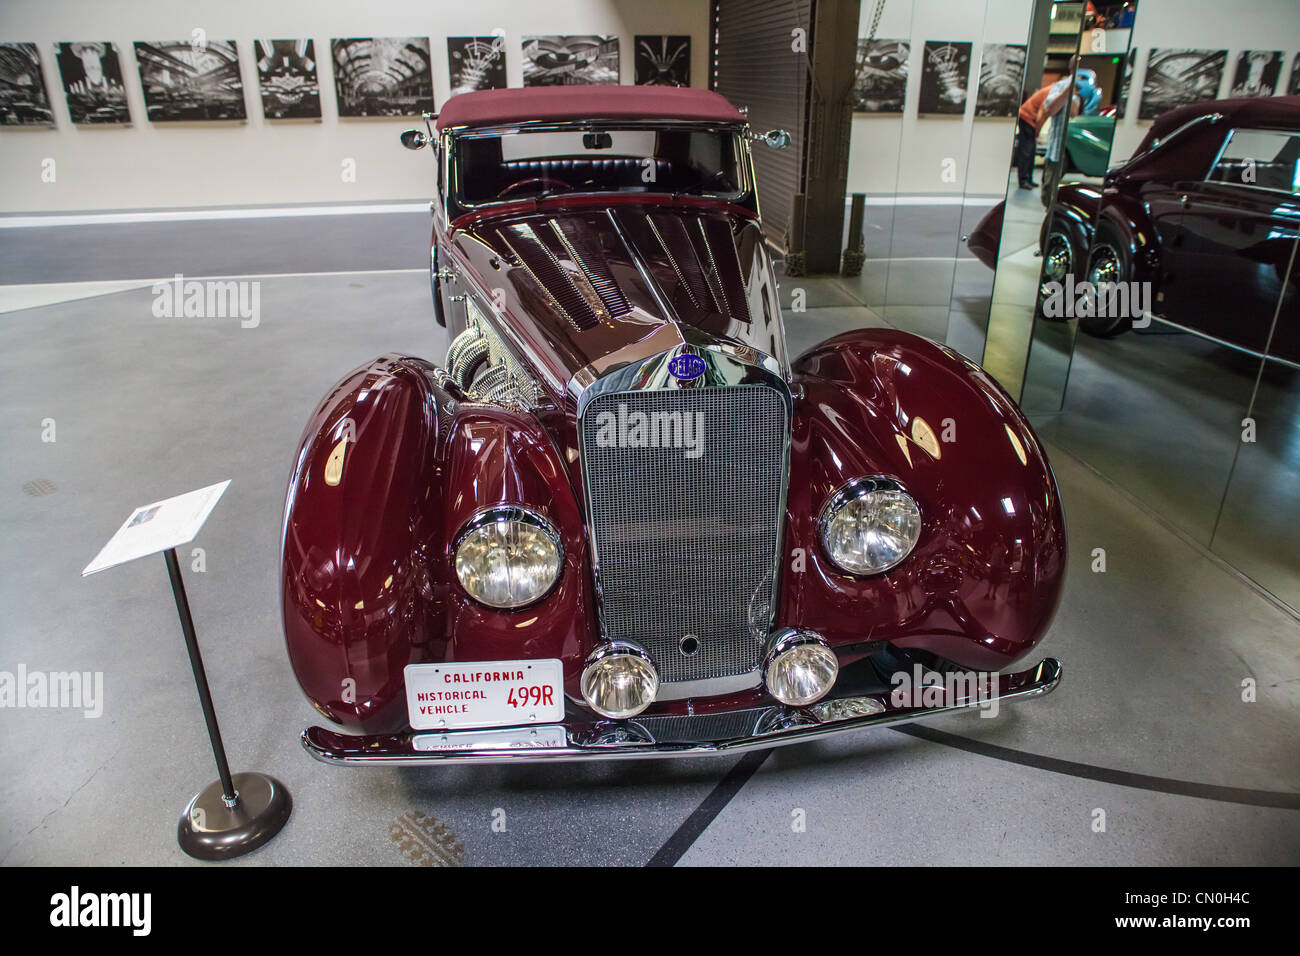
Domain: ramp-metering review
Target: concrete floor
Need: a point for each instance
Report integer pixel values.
(1148, 725)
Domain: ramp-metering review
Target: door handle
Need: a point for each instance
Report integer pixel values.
(1183, 201)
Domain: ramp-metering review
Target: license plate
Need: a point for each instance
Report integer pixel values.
(509, 738)
(484, 694)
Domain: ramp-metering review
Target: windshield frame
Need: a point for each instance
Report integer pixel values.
(455, 207)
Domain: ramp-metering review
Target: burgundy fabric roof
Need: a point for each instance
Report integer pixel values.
(565, 103)
(1277, 111)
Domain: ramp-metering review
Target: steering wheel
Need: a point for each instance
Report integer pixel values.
(544, 180)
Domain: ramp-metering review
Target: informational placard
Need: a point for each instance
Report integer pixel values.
(158, 526)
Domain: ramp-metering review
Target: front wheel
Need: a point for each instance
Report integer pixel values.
(1060, 259)
(1108, 262)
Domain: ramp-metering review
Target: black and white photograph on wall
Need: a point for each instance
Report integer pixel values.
(476, 63)
(23, 100)
(384, 76)
(1002, 71)
(662, 60)
(185, 81)
(92, 82)
(286, 73)
(570, 60)
(1177, 77)
(1257, 73)
(945, 76)
(880, 85)
(1125, 84)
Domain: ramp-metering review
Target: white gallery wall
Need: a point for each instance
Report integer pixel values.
(909, 154)
(260, 162)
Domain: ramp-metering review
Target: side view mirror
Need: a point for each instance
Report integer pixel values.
(414, 139)
(777, 138)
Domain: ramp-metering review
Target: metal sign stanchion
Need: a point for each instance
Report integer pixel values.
(238, 812)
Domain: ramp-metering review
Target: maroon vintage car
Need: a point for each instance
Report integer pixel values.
(620, 520)
(1207, 212)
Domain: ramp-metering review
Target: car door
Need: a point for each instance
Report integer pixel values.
(1239, 227)
(1177, 280)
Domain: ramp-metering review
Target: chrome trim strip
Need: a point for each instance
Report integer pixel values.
(607, 740)
(672, 261)
(710, 686)
(1208, 117)
(667, 311)
(1226, 344)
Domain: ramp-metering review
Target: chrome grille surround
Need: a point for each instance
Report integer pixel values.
(690, 546)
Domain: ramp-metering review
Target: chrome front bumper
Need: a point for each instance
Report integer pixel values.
(586, 738)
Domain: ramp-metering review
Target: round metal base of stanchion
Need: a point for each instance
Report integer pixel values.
(211, 830)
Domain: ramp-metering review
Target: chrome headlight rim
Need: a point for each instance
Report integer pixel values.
(787, 639)
(618, 649)
(524, 515)
(853, 490)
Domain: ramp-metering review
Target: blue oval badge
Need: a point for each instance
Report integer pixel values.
(686, 367)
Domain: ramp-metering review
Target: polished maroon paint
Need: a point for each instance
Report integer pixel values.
(368, 584)
(984, 580)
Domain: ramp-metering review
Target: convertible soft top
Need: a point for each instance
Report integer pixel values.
(565, 103)
(1281, 112)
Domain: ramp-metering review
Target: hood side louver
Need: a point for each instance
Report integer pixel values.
(725, 260)
(552, 280)
(583, 246)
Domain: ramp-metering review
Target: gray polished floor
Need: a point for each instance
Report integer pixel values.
(1149, 726)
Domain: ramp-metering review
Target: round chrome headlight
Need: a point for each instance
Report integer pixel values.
(799, 667)
(619, 680)
(870, 525)
(508, 557)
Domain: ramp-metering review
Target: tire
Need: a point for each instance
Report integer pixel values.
(436, 285)
(1108, 261)
(1061, 257)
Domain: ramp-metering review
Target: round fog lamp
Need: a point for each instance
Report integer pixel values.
(619, 680)
(800, 669)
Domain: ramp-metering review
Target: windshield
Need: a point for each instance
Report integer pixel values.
(533, 164)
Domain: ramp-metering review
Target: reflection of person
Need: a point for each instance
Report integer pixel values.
(1089, 93)
(1028, 122)
(1034, 112)
(1059, 94)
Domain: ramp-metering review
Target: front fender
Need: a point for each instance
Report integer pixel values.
(391, 466)
(985, 578)
(356, 595)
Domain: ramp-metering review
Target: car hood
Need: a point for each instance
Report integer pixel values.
(588, 289)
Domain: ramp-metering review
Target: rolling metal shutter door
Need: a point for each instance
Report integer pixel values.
(756, 68)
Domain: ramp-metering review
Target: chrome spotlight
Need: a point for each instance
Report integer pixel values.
(800, 667)
(619, 680)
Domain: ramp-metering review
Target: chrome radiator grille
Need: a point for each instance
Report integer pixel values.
(686, 546)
